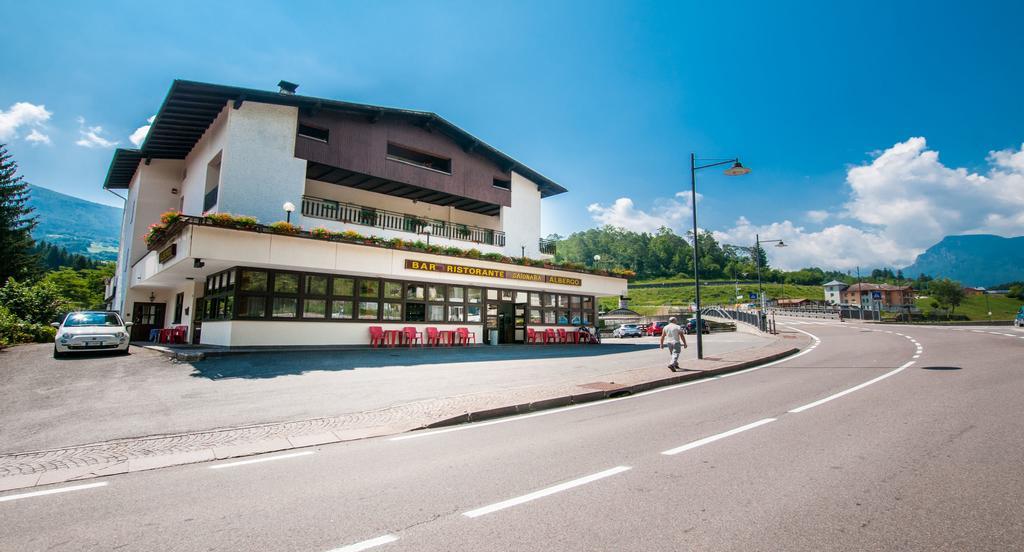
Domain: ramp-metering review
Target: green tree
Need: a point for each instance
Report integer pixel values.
(16, 222)
(35, 303)
(947, 293)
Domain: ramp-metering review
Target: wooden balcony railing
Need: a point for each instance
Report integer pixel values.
(316, 207)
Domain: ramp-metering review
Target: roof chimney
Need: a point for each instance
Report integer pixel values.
(287, 88)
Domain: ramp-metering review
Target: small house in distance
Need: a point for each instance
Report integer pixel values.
(834, 292)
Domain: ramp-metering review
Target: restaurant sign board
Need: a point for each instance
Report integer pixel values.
(465, 270)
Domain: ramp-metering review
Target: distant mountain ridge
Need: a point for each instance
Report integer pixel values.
(80, 226)
(973, 260)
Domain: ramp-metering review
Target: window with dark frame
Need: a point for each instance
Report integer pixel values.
(314, 133)
(263, 294)
(403, 154)
(503, 184)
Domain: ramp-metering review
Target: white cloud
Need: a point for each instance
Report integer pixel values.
(900, 203)
(90, 136)
(23, 114)
(37, 137)
(140, 133)
(815, 215)
(671, 213)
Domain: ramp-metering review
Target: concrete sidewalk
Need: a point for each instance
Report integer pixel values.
(32, 468)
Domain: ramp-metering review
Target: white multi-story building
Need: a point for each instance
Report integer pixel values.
(834, 292)
(376, 173)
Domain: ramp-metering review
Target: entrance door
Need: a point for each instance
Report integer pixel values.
(506, 323)
(146, 317)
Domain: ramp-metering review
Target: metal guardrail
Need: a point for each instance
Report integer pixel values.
(379, 218)
(547, 247)
(756, 319)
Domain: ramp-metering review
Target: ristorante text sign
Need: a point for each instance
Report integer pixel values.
(490, 273)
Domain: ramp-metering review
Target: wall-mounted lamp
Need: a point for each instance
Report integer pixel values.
(152, 297)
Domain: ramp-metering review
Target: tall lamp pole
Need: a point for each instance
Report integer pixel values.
(737, 169)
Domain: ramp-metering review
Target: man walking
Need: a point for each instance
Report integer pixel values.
(676, 342)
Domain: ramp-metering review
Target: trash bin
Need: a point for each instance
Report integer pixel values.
(493, 337)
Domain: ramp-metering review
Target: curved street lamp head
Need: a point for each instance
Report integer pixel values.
(428, 229)
(781, 244)
(737, 169)
(288, 207)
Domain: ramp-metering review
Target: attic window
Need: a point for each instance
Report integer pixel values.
(503, 184)
(314, 133)
(420, 159)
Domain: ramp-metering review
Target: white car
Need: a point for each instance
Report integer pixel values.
(91, 331)
(627, 330)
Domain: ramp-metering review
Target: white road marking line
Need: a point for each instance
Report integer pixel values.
(713, 438)
(262, 459)
(474, 425)
(851, 390)
(1009, 335)
(545, 492)
(53, 491)
(977, 331)
(366, 544)
(916, 356)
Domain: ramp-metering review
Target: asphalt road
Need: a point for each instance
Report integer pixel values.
(869, 441)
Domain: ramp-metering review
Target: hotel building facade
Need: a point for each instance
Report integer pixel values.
(368, 189)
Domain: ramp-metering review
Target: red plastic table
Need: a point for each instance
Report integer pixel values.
(446, 335)
(392, 337)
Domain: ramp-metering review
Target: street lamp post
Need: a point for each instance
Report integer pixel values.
(427, 231)
(737, 169)
(288, 207)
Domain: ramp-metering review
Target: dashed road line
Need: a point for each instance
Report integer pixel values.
(367, 544)
(53, 491)
(713, 438)
(262, 459)
(545, 492)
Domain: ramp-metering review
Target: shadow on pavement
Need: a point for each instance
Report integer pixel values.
(940, 368)
(272, 365)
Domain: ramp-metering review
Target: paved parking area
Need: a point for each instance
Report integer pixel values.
(49, 403)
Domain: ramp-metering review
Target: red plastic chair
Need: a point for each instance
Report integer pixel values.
(433, 337)
(465, 336)
(562, 337)
(531, 335)
(376, 336)
(179, 334)
(412, 336)
(549, 335)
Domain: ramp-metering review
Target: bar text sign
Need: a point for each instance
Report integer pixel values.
(465, 270)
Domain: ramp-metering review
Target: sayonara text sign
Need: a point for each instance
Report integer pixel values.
(490, 273)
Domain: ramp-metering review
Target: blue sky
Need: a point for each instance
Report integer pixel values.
(607, 99)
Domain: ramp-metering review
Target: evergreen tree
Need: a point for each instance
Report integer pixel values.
(16, 222)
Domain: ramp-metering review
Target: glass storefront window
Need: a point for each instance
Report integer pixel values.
(341, 309)
(474, 295)
(392, 290)
(492, 309)
(286, 282)
(369, 288)
(535, 316)
(492, 295)
(473, 313)
(254, 281)
(368, 310)
(456, 294)
(435, 293)
(316, 285)
(586, 317)
(534, 299)
(521, 297)
(345, 287)
(506, 295)
(575, 320)
(252, 307)
(415, 291)
(392, 311)
(563, 316)
(549, 300)
(574, 301)
(456, 313)
(435, 313)
(285, 307)
(314, 308)
(415, 312)
(563, 300)
(549, 317)
(588, 303)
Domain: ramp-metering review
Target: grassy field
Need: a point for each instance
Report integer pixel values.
(646, 300)
(1003, 308)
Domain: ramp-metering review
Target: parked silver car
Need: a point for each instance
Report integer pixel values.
(91, 331)
(627, 330)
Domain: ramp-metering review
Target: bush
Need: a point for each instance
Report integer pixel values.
(220, 219)
(282, 227)
(170, 217)
(14, 330)
(473, 253)
(246, 222)
(38, 303)
(321, 233)
(496, 257)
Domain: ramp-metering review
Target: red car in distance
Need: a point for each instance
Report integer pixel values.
(655, 328)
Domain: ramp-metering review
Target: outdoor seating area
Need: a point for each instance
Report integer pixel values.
(175, 334)
(411, 337)
(552, 336)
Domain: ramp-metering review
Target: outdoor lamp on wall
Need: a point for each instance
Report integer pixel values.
(288, 207)
(152, 297)
(427, 231)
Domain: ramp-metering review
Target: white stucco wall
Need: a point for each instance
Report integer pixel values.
(521, 221)
(259, 170)
(241, 333)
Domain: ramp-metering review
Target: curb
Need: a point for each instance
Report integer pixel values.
(591, 396)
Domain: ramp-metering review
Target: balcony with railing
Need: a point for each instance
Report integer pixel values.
(315, 207)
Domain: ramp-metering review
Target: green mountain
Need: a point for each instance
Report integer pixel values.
(80, 226)
(973, 260)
